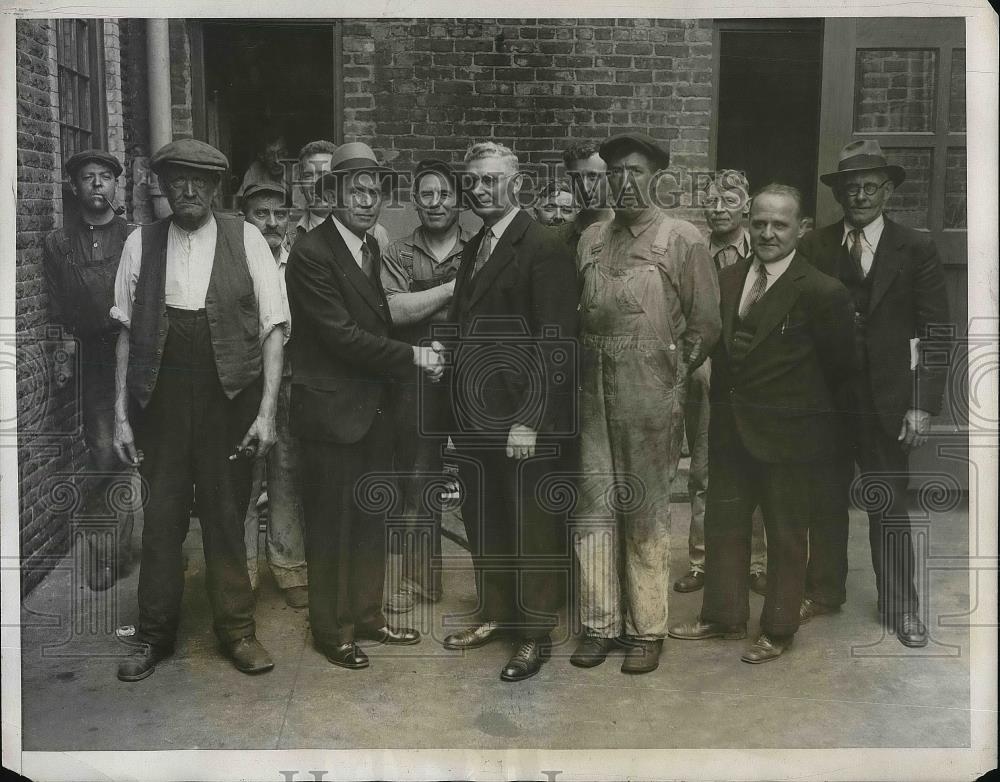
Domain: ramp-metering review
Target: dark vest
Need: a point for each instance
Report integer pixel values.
(230, 305)
(861, 296)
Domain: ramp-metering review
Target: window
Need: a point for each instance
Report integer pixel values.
(82, 110)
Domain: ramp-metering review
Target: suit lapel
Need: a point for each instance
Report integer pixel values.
(886, 264)
(348, 267)
(464, 270)
(776, 303)
(730, 297)
(500, 256)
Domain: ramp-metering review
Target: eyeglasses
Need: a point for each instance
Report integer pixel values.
(870, 188)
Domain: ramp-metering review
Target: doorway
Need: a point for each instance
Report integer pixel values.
(769, 83)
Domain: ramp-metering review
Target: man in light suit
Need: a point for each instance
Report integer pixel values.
(898, 293)
(343, 364)
(787, 341)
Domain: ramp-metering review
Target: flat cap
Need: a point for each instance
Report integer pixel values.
(191, 153)
(636, 142)
(271, 188)
(77, 161)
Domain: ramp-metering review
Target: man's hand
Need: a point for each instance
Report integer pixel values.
(123, 442)
(430, 360)
(62, 368)
(521, 442)
(916, 425)
(262, 432)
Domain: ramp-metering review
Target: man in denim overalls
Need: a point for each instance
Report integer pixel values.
(649, 314)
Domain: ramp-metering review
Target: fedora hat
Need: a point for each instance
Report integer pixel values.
(863, 155)
(351, 157)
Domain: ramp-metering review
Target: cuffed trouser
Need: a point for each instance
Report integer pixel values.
(285, 539)
(696, 419)
(187, 433)
(632, 425)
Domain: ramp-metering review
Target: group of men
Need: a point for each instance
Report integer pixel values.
(576, 346)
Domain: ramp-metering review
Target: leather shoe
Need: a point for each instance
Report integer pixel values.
(692, 582)
(699, 631)
(643, 656)
(811, 608)
(475, 636)
(249, 656)
(142, 662)
(400, 602)
(766, 648)
(758, 583)
(527, 659)
(346, 656)
(297, 596)
(592, 650)
(911, 631)
(396, 636)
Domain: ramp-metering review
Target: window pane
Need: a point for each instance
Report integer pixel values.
(955, 195)
(910, 201)
(67, 98)
(894, 90)
(956, 109)
(83, 90)
(83, 48)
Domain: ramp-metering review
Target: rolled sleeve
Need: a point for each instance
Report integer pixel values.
(266, 282)
(395, 278)
(127, 278)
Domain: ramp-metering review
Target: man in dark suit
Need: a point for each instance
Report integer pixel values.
(343, 363)
(511, 403)
(787, 342)
(897, 288)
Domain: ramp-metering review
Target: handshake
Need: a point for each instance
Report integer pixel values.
(430, 360)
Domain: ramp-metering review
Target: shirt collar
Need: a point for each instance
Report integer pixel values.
(646, 219)
(777, 268)
(203, 230)
(283, 253)
(503, 224)
(310, 220)
(742, 245)
(872, 232)
(351, 239)
(418, 239)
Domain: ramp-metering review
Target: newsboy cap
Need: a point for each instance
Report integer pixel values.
(191, 153)
(863, 155)
(271, 188)
(636, 142)
(77, 161)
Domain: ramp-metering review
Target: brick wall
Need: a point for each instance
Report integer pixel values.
(894, 90)
(135, 119)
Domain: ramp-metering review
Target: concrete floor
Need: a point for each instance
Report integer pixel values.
(842, 685)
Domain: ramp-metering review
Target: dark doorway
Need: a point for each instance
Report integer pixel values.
(769, 96)
(265, 76)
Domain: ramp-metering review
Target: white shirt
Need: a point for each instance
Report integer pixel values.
(282, 261)
(190, 256)
(870, 236)
(352, 240)
(496, 231)
(310, 220)
(774, 270)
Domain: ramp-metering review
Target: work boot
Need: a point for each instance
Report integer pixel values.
(592, 650)
(692, 582)
(758, 583)
(297, 596)
(142, 662)
(249, 655)
(642, 656)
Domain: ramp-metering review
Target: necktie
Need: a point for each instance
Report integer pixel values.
(483, 253)
(856, 237)
(367, 263)
(759, 286)
(726, 257)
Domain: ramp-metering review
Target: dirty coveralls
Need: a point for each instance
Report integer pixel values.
(649, 313)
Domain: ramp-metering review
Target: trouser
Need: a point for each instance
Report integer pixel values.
(108, 488)
(516, 532)
(187, 433)
(786, 493)
(285, 538)
(631, 431)
(345, 538)
(696, 418)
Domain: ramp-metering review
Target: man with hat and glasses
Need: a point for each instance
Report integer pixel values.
(199, 363)
(897, 288)
(344, 362)
(79, 262)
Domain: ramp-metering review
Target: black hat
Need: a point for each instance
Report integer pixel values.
(77, 161)
(863, 155)
(637, 142)
(191, 153)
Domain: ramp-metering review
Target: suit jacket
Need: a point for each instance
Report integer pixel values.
(908, 297)
(772, 388)
(343, 360)
(516, 325)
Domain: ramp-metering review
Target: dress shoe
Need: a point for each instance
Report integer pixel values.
(400, 602)
(346, 656)
(249, 656)
(692, 582)
(475, 636)
(142, 662)
(766, 648)
(395, 636)
(642, 656)
(758, 583)
(297, 597)
(699, 631)
(910, 630)
(527, 659)
(811, 608)
(592, 650)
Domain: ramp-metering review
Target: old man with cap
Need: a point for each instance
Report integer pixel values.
(897, 287)
(79, 262)
(649, 315)
(344, 364)
(264, 206)
(199, 364)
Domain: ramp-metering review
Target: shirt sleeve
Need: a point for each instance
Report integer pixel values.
(395, 278)
(380, 235)
(266, 281)
(127, 278)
